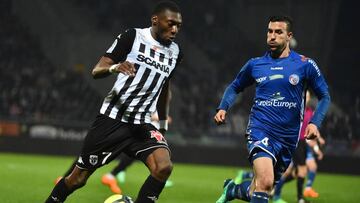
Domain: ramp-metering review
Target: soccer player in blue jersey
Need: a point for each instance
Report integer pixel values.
(281, 77)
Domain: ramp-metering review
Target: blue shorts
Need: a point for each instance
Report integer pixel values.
(262, 144)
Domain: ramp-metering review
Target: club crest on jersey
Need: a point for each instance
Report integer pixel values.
(93, 159)
(157, 135)
(294, 79)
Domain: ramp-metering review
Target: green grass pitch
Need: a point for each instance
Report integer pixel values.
(30, 178)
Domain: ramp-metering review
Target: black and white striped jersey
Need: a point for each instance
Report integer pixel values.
(133, 99)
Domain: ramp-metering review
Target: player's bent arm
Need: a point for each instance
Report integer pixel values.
(321, 109)
(101, 69)
(227, 101)
(229, 98)
(106, 67)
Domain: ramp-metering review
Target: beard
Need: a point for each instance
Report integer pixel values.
(162, 40)
(276, 50)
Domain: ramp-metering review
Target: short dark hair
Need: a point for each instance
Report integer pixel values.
(165, 5)
(282, 18)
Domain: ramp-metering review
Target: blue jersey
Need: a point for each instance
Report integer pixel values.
(280, 94)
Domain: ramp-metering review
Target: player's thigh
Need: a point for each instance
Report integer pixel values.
(263, 167)
(264, 173)
(159, 159)
(106, 139)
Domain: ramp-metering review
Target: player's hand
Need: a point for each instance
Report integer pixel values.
(319, 154)
(220, 116)
(126, 68)
(321, 140)
(311, 131)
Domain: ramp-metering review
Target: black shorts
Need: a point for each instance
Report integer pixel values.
(299, 158)
(108, 138)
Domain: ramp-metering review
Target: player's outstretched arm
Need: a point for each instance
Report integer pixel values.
(106, 66)
(227, 100)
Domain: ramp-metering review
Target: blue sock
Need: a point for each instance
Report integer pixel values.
(278, 187)
(248, 175)
(242, 191)
(310, 178)
(259, 197)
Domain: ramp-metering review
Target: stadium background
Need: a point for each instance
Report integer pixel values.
(48, 98)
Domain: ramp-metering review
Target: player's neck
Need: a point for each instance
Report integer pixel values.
(153, 33)
(281, 54)
(156, 37)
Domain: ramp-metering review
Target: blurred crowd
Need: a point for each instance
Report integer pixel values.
(32, 87)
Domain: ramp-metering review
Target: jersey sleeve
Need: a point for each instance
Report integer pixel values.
(315, 78)
(178, 62)
(318, 84)
(180, 57)
(122, 45)
(242, 80)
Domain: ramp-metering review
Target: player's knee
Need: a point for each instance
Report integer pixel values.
(75, 183)
(163, 170)
(264, 184)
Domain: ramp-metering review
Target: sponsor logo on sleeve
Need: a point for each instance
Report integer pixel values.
(315, 66)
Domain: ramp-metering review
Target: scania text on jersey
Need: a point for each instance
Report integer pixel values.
(149, 61)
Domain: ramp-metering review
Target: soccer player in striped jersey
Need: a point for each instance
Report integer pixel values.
(144, 61)
(281, 77)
